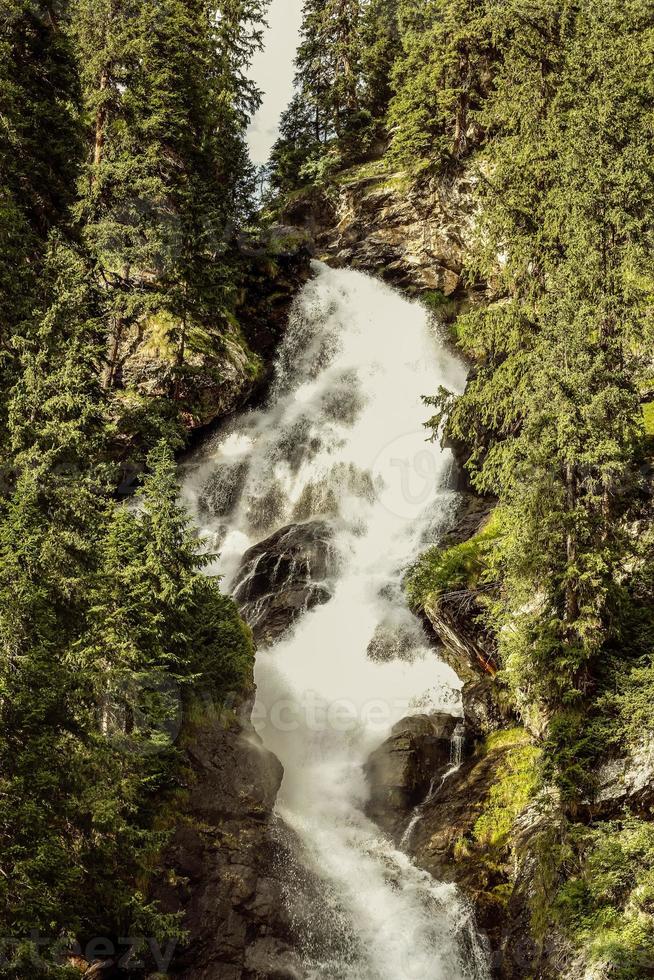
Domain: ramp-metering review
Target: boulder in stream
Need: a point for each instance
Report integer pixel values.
(401, 771)
(285, 575)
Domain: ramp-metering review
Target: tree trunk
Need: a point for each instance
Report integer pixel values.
(113, 357)
(181, 350)
(571, 596)
(100, 124)
(119, 330)
(461, 119)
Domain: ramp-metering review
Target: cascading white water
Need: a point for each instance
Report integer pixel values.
(457, 743)
(342, 438)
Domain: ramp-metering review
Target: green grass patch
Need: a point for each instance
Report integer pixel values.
(507, 737)
(518, 781)
(443, 307)
(384, 175)
(648, 419)
(461, 567)
(365, 171)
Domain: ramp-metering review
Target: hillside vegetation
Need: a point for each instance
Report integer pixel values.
(127, 285)
(123, 177)
(548, 104)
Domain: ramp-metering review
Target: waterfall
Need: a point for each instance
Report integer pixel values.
(457, 743)
(341, 442)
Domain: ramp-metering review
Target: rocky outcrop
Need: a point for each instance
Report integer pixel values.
(625, 782)
(446, 819)
(214, 385)
(222, 864)
(285, 575)
(456, 617)
(485, 707)
(402, 770)
(230, 361)
(468, 648)
(519, 953)
(412, 237)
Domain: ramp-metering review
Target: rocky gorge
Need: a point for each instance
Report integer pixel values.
(431, 782)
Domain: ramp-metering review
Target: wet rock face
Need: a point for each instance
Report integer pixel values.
(448, 817)
(284, 575)
(482, 708)
(414, 238)
(401, 771)
(222, 868)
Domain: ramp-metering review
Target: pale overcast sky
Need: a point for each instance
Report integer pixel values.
(273, 72)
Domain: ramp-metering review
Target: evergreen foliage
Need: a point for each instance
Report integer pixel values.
(342, 90)
(168, 178)
(605, 905)
(40, 142)
(108, 627)
(552, 417)
(440, 81)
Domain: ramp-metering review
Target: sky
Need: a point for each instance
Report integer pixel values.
(273, 72)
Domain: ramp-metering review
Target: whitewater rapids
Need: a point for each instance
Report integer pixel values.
(342, 438)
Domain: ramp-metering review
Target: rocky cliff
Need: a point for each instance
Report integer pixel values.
(224, 871)
(412, 237)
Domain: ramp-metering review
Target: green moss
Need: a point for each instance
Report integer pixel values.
(505, 738)
(443, 307)
(254, 366)
(382, 172)
(289, 242)
(365, 171)
(518, 781)
(460, 567)
(648, 418)
(159, 336)
(605, 907)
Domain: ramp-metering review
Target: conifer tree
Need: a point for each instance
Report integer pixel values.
(439, 80)
(48, 537)
(379, 39)
(328, 66)
(40, 141)
(297, 144)
(552, 416)
(201, 626)
(169, 100)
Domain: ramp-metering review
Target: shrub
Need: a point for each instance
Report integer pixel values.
(461, 567)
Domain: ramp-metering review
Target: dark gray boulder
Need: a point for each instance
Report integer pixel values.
(285, 575)
(402, 770)
(221, 869)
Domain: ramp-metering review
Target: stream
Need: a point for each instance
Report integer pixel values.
(338, 457)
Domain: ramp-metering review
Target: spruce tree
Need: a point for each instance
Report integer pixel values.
(379, 39)
(168, 100)
(328, 66)
(48, 537)
(296, 145)
(440, 80)
(40, 143)
(552, 416)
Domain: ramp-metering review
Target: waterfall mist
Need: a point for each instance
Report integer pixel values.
(341, 440)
